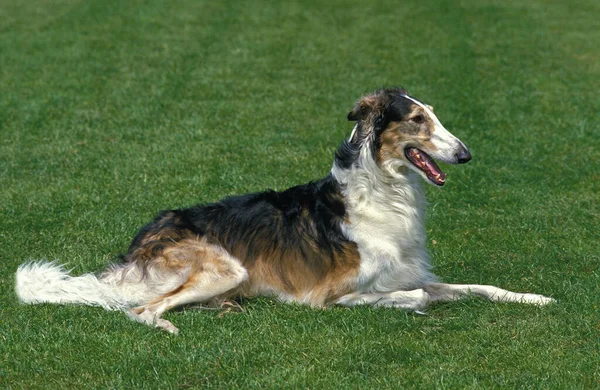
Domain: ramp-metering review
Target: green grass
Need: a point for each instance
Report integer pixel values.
(111, 110)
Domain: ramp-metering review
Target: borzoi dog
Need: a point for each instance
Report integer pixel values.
(355, 237)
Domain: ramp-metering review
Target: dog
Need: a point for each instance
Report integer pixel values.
(355, 237)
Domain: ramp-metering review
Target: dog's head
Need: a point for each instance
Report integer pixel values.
(401, 131)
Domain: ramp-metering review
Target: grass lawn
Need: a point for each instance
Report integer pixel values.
(113, 110)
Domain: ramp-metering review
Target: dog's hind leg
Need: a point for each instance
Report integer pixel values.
(214, 273)
(442, 292)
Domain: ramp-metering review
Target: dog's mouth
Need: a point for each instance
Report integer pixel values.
(423, 162)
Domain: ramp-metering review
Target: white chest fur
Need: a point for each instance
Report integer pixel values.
(386, 220)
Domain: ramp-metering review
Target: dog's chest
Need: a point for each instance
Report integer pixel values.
(391, 244)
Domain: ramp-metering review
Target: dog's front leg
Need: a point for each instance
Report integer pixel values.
(443, 292)
(410, 300)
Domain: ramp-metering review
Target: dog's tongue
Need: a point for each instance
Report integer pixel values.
(426, 164)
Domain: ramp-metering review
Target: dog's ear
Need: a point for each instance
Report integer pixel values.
(362, 108)
(355, 114)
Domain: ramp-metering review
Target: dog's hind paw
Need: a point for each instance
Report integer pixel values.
(166, 326)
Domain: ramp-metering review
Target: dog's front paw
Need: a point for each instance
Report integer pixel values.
(536, 299)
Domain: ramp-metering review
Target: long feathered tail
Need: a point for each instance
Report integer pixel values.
(48, 282)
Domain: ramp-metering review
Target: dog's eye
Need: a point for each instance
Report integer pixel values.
(418, 119)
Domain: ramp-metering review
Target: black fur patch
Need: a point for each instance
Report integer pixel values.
(304, 218)
(349, 150)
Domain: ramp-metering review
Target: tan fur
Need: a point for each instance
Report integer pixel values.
(317, 281)
(398, 134)
(367, 105)
(213, 275)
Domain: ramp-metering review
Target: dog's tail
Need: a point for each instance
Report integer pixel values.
(119, 287)
(48, 282)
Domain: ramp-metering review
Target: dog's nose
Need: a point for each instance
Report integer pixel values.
(463, 155)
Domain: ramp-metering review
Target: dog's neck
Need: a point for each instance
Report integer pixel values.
(365, 183)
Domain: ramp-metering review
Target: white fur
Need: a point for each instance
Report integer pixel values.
(49, 282)
(385, 208)
(119, 287)
(417, 299)
(353, 132)
(451, 292)
(447, 144)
